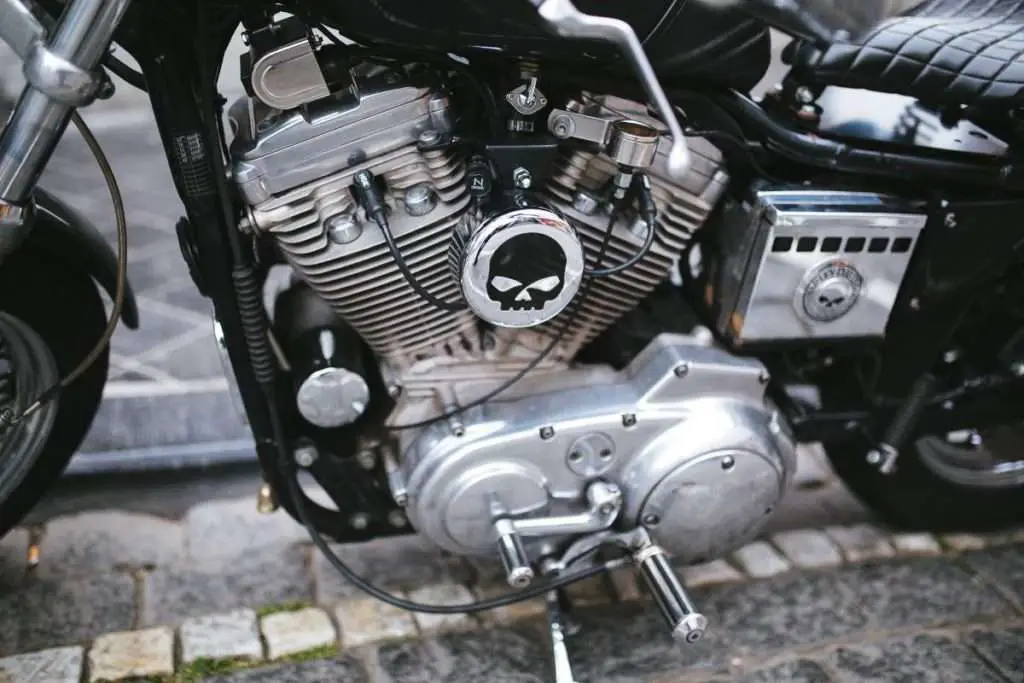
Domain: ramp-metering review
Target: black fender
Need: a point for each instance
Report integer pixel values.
(61, 233)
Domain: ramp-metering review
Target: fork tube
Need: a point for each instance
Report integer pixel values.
(82, 36)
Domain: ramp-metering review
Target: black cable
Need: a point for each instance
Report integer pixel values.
(649, 211)
(126, 73)
(382, 222)
(466, 608)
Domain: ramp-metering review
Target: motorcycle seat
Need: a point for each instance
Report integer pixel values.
(947, 52)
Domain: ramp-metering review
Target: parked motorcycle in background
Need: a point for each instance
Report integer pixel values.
(557, 284)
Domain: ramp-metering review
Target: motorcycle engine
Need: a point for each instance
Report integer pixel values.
(682, 441)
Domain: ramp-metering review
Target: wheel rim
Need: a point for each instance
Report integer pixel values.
(983, 460)
(27, 368)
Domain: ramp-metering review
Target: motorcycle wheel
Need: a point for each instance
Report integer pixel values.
(50, 318)
(963, 481)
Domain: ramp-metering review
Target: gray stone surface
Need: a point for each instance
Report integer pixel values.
(52, 613)
(808, 548)
(442, 594)
(920, 543)
(225, 529)
(1003, 650)
(363, 621)
(59, 665)
(404, 563)
(861, 542)
(293, 632)
(710, 573)
(760, 560)
(924, 658)
(342, 670)
(797, 671)
(230, 635)
(98, 542)
(116, 656)
(13, 549)
(506, 656)
(264, 577)
(1003, 566)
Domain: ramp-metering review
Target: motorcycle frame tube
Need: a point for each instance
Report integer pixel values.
(81, 38)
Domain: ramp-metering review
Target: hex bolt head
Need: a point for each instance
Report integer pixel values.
(547, 432)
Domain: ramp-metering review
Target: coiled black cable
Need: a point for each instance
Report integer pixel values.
(649, 211)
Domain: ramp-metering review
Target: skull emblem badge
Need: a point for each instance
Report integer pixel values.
(526, 272)
(831, 290)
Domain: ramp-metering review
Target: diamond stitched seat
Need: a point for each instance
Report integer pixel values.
(946, 51)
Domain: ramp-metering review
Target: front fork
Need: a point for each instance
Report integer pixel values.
(61, 74)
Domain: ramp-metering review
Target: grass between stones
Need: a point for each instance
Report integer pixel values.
(291, 606)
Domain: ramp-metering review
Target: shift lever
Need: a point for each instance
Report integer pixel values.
(563, 17)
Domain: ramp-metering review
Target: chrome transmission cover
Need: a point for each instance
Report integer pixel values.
(684, 432)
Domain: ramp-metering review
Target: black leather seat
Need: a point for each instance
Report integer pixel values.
(944, 51)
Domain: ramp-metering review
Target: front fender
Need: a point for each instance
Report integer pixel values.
(63, 234)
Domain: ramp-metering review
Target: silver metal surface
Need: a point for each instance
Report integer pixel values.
(972, 462)
(527, 99)
(305, 455)
(18, 27)
(604, 502)
(501, 279)
(26, 143)
(29, 370)
(376, 116)
(591, 455)
(58, 78)
(522, 178)
(559, 652)
(512, 554)
(332, 397)
(289, 76)
(633, 144)
(682, 428)
(579, 126)
(343, 228)
(419, 200)
(813, 264)
(568, 21)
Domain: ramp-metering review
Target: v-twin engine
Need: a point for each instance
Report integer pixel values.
(682, 441)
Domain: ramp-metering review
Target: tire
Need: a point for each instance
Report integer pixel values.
(916, 498)
(62, 306)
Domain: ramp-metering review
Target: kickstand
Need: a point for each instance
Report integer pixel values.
(559, 626)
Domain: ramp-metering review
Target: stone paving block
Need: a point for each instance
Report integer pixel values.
(231, 635)
(442, 594)
(760, 560)
(233, 528)
(403, 563)
(510, 614)
(65, 612)
(710, 573)
(808, 548)
(13, 553)
(1004, 650)
(925, 658)
(364, 621)
(797, 671)
(1004, 566)
(861, 542)
(963, 542)
(340, 670)
(812, 469)
(919, 543)
(59, 665)
(495, 656)
(97, 542)
(270, 576)
(114, 656)
(289, 633)
(631, 644)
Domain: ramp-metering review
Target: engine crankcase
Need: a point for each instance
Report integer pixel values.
(685, 431)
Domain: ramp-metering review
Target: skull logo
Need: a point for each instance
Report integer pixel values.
(526, 272)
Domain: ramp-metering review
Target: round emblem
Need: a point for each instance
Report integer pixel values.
(521, 268)
(830, 290)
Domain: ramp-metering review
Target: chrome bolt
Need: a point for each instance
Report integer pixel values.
(266, 499)
(420, 200)
(950, 220)
(915, 304)
(547, 432)
(651, 520)
(561, 126)
(395, 390)
(342, 229)
(305, 456)
(401, 499)
(947, 405)
(366, 459)
(364, 179)
(764, 377)
(728, 462)
(628, 420)
(606, 508)
(359, 521)
(874, 457)
(430, 137)
(585, 202)
(396, 518)
(522, 178)
(804, 95)
(682, 369)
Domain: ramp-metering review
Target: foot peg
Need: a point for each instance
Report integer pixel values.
(687, 624)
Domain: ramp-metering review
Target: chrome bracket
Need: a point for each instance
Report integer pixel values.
(59, 79)
(566, 20)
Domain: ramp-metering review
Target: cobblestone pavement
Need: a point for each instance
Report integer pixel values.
(225, 594)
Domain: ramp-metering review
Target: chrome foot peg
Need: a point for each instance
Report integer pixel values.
(687, 624)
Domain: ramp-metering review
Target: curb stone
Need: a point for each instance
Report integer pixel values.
(236, 639)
